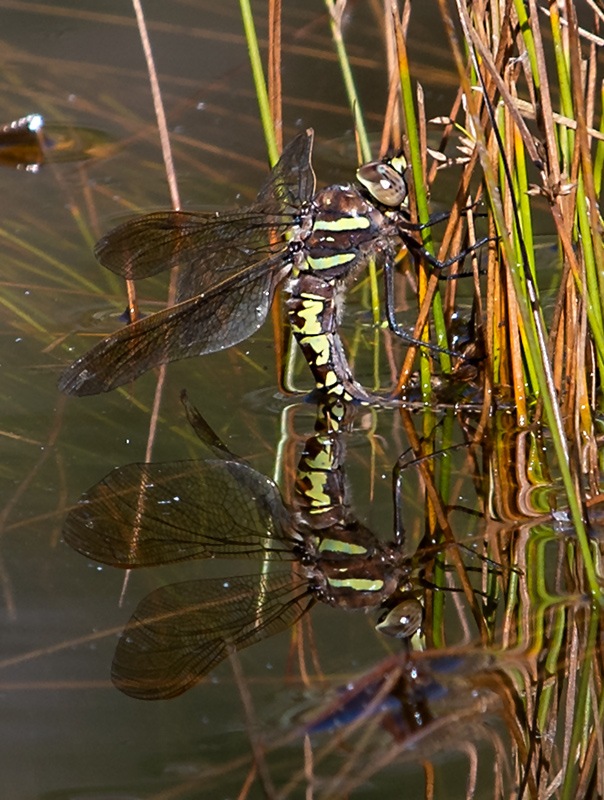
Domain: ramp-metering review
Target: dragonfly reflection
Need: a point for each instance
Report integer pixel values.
(142, 515)
(428, 701)
(231, 263)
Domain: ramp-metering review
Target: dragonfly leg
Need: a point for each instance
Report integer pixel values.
(425, 255)
(394, 325)
(435, 219)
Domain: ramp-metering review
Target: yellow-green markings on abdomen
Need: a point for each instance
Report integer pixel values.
(316, 493)
(329, 262)
(357, 584)
(341, 224)
(338, 546)
(310, 312)
(322, 462)
(330, 379)
(319, 344)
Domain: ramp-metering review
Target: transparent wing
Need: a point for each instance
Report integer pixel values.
(142, 515)
(211, 442)
(210, 246)
(180, 632)
(227, 314)
(291, 182)
(230, 265)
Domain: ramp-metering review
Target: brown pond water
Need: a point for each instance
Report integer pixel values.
(462, 726)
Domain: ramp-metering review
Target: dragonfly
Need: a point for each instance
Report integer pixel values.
(231, 263)
(144, 515)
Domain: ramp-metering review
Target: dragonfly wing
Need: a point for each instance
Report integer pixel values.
(236, 243)
(142, 515)
(206, 435)
(181, 631)
(263, 229)
(151, 243)
(291, 182)
(220, 318)
(208, 245)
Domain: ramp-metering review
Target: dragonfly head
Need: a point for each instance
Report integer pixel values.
(385, 180)
(403, 620)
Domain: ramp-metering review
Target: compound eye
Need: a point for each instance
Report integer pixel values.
(384, 182)
(403, 620)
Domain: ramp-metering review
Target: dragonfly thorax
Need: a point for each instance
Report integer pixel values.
(348, 566)
(354, 582)
(344, 227)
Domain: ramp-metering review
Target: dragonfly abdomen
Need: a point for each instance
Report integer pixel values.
(345, 230)
(314, 310)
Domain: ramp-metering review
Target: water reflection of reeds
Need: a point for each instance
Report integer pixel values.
(520, 704)
(507, 695)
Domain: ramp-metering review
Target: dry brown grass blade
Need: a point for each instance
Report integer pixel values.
(251, 723)
(174, 194)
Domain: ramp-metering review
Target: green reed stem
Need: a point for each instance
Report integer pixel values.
(363, 139)
(423, 213)
(566, 136)
(536, 339)
(445, 461)
(259, 81)
(581, 708)
(523, 241)
(349, 84)
(529, 42)
(555, 641)
(599, 154)
(530, 313)
(594, 277)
